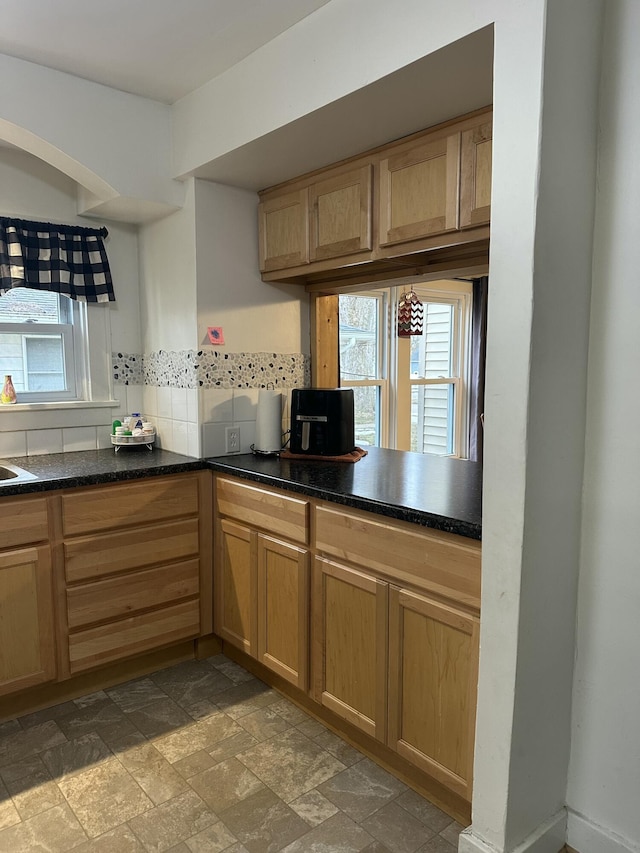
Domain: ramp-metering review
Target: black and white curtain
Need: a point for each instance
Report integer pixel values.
(478, 357)
(64, 259)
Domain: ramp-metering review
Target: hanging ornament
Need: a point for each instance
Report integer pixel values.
(409, 315)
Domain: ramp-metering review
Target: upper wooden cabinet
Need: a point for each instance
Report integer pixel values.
(475, 183)
(419, 190)
(426, 192)
(341, 214)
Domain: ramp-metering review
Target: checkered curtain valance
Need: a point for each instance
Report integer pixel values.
(64, 259)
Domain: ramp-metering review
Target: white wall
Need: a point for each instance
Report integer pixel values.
(31, 189)
(604, 782)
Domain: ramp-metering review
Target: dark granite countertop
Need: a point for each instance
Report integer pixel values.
(433, 491)
(90, 467)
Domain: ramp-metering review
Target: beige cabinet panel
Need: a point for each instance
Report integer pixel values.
(283, 609)
(475, 184)
(27, 651)
(340, 214)
(235, 584)
(419, 190)
(275, 512)
(283, 230)
(350, 645)
(24, 521)
(433, 663)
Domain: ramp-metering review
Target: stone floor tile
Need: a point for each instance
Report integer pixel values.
(197, 736)
(157, 778)
(54, 831)
(104, 797)
(135, 694)
(437, 844)
(52, 713)
(225, 784)
(91, 700)
(264, 723)
(376, 847)
(338, 834)
(452, 832)
(13, 772)
(362, 789)
(120, 731)
(91, 718)
(313, 807)
(246, 698)
(338, 747)
(311, 728)
(263, 823)
(430, 815)
(9, 814)
(24, 744)
(233, 671)
(231, 746)
(213, 839)
(9, 727)
(34, 794)
(397, 829)
(75, 755)
(291, 764)
(191, 683)
(192, 764)
(159, 718)
(289, 712)
(118, 840)
(172, 822)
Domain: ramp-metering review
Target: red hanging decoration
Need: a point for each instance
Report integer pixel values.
(410, 312)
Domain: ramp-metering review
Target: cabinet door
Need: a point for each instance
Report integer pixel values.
(433, 666)
(350, 645)
(340, 210)
(283, 609)
(475, 179)
(27, 652)
(235, 605)
(419, 191)
(283, 224)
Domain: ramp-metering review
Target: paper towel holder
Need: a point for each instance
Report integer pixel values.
(268, 422)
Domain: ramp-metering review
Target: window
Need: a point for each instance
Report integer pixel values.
(41, 344)
(410, 393)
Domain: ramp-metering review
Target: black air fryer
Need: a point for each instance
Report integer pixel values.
(322, 421)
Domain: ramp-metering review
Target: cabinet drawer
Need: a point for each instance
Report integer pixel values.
(129, 504)
(24, 521)
(445, 564)
(115, 598)
(134, 635)
(110, 553)
(272, 511)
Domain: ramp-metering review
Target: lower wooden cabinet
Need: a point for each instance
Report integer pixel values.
(433, 670)
(261, 601)
(350, 646)
(27, 651)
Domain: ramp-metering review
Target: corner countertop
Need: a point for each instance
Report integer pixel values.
(91, 467)
(432, 491)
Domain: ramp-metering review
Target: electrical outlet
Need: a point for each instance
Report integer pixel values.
(232, 439)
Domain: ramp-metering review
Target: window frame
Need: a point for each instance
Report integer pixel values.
(395, 429)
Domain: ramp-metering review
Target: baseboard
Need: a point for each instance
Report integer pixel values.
(588, 837)
(549, 837)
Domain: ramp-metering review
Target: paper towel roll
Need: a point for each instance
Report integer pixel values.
(269, 421)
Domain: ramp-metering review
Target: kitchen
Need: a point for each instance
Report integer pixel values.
(505, 729)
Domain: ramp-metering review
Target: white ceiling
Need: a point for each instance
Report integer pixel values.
(161, 49)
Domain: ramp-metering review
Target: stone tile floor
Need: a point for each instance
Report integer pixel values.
(199, 758)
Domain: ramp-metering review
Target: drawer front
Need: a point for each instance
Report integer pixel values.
(274, 512)
(23, 521)
(442, 563)
(115, 598)
(133, 636)
(92, 557)
(129, 504)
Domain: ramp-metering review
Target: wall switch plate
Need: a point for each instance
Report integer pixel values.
(232, 439)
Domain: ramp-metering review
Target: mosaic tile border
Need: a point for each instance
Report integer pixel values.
(212, 369)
